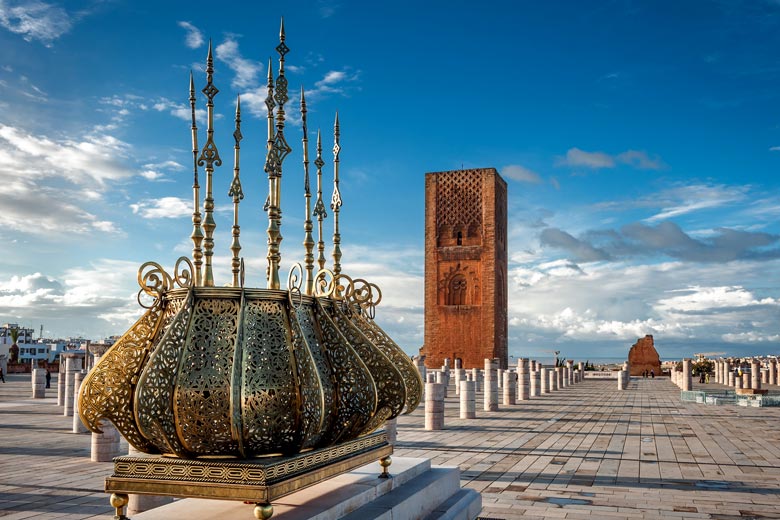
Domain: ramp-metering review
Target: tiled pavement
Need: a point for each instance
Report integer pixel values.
(586, 451)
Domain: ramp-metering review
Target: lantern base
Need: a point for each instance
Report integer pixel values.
(260, 480)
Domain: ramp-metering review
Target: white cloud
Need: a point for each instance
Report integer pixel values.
(520, 173)
(697, 299)
(181, 110)
(246, 71)
(165, 207)
(165, 165)
(775, 149)
(35, 20)
(194, 37)
(751, 337)
(152, 175)
(686, 199)
(598, 160)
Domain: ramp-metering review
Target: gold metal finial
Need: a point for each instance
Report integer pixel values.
(197, 232)
(335, 201)
(319, 206)
(277, 152)
(238, 194)
(209, 157)
(308, 240)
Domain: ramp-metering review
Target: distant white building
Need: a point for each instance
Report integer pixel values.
(23, 341)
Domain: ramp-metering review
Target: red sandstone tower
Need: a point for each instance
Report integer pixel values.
(465, 267)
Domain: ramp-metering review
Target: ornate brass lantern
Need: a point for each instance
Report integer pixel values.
(245, 372)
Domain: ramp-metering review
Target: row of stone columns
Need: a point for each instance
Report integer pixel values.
(531, 379)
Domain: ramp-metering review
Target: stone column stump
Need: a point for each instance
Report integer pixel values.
(491, 386)
(434, 406)
(523, 379)
(509, 387)
(38, 383)
(468, 405)
(105, 446)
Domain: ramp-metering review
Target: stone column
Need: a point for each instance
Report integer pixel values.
(61, 382)
(737, 381)
(728, 375)
(68, 404)
(731, 380)
(105, 446)
(565, 372)
(746, 382)
(420, 364)
(140, 503)
(544, 378)
(687, 384)
(391, 429)
(78, 426)
(772, 372)
(500, 377)
(468, 406)
(622, 380)
(523, 379)
(509, 387)
(431, 377)
(441, 379)
(475, 378)
(459, 376)
(533, 384)
(559, 378)
(434, 406)
(553, 382)
(491, 386)
(39, 383)
(764, 376)
(570, 368)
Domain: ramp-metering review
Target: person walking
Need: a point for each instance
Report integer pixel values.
(48, 378)
(2, 377)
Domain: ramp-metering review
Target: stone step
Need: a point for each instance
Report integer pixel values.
(338, 497)
(465, 504)
(414, 500)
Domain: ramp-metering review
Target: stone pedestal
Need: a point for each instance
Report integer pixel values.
(746, 380)
(509, 387)
(434, 406)
(737, 382)
(491, 386)
(38, 383)
(468, 406)
(559, 376)
(544, 379)
(687, 383)
(78, 426)
(570, 371)
(565, 371)
(105, 446)
(552, 375)
(731, 379)
(523, 379)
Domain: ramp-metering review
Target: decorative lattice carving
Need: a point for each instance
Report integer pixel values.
(459, 286)
(459, 200)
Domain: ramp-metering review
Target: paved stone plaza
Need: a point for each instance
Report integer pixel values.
(586, 451)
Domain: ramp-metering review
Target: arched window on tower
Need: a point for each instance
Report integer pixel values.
(460, 238)
(456, 292)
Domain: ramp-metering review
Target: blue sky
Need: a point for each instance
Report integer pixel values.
(640, 142)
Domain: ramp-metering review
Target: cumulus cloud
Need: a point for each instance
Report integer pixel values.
(181, 110)
(165, 207)
(100, 295)
(521, 173)
(579, 249)
(597, 160)
(194, 36)
(35, 20)
(246, 72)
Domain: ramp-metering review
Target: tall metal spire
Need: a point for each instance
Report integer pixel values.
(308, 241)
(335, 201)
(319, 206)
(197, 232)
(209, 157)
(238, 194)
(276, 155)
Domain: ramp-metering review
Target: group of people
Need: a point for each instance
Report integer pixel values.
(649, 373)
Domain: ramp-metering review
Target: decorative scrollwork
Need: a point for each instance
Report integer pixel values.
(344, 287)
(183, 277)
(154, 282)
(324, 283)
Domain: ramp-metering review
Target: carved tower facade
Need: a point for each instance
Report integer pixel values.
(465, 267)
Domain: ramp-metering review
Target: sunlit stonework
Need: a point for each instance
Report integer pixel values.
(245, 371)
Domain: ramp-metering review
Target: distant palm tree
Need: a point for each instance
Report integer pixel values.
(14, 350)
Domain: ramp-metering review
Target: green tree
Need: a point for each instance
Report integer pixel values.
(14, 350)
